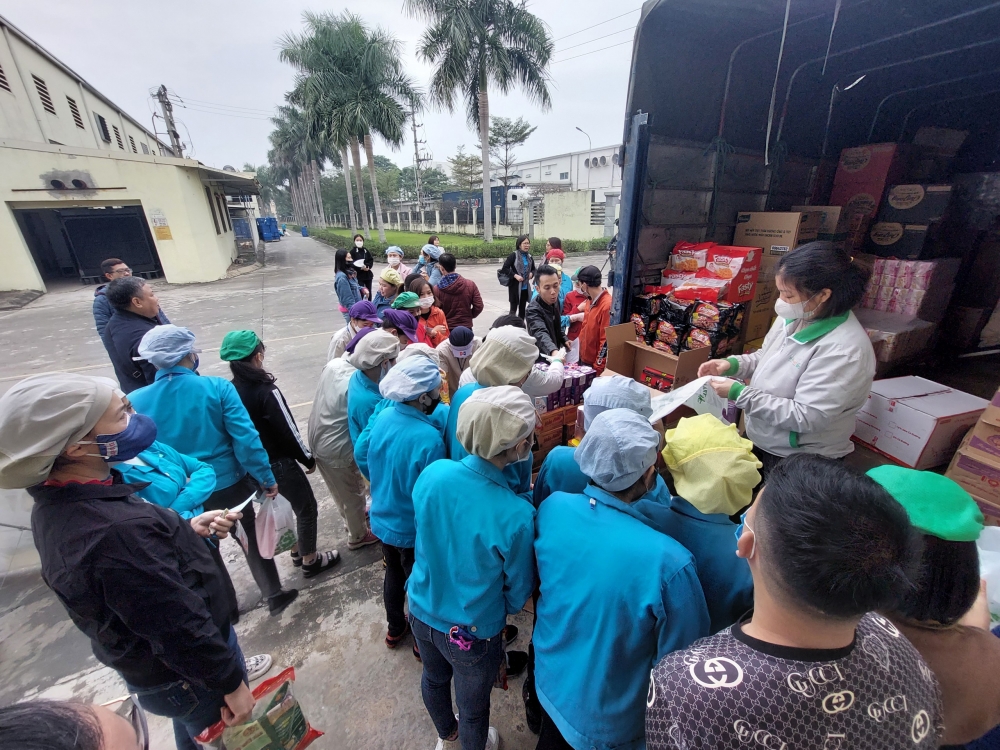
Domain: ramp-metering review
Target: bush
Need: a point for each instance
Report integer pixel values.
(500, 248)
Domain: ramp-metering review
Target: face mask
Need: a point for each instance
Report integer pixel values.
(138, 435)
(426, 302)
(359, 243)
(197, 361)
(739, 533)
(523, 456)
(793, 312)
(393, 260)
(429, 403)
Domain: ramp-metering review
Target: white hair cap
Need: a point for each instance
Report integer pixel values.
(505, 357)
(410, 379)
(492, 420)
(374, 349)
(615, 392)
(423, 350)
(619, 446)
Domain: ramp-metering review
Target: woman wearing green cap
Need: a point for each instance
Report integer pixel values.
(286, 449)
(410, 302)
(945, 615)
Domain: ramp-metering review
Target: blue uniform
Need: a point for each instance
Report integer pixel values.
(407, 442)
(616, 596)
(176, 481)
(362, 396)
(725, 578)
(518, 475)
(439, 417)
(561, 473)
(474, 562)
(204, 417)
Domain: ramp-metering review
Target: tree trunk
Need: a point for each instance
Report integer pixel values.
(306, 202)
(346, 162)
(362, 207)
(310, 191)
(296, 204)
(484, 138)
(319, 195)
(375, 199)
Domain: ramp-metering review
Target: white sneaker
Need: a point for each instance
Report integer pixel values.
(257, 666)
(492, 739)
(448, 745)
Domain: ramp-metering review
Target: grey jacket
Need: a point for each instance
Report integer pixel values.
(805, 388)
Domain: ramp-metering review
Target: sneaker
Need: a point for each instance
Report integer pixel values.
(277, 603)
(492, 740)
(257, 666)
(517, 662)
(368, 538)
(449, 744)
(510, 633)
(391, 641)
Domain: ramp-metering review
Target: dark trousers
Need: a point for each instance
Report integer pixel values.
(769, 460)
(193, 708)
(551, 738)
(296, 489)
(398, 564)
(265, 572)
(518, 298)
(474, 672)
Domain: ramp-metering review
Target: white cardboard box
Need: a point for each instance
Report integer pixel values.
(915, 421)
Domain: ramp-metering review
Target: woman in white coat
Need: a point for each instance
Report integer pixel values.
(801, 391)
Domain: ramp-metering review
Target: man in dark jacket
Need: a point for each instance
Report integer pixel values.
(543, 316)
(112, 268)
(457, 296)
(140, 581)
(136, 308)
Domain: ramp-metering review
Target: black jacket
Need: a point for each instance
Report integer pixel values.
(138, 581)
(273, 419)
(510, 266)
(365, 275)
(125, 330)
(545, 324)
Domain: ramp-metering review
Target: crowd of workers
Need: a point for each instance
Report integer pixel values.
(688, 587)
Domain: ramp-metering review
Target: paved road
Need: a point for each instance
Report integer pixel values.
(352, 687)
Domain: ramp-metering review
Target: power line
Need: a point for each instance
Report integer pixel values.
(221, 106)
(627, 41)
(212, 108)
(636, 10)
(223, 114)
(582, 44)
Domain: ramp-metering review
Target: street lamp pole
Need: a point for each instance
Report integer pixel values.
(590, 148)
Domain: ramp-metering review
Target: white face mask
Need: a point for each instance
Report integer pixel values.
(797, 311)
(526, 454)
(359, 243)
(426, 302)
(393, 260)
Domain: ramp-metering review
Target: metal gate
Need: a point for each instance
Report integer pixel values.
(119, 232)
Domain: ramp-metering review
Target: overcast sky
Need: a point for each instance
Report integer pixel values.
(222, 56)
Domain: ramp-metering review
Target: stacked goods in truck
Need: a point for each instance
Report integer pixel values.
(720, 272)
(913, 288)
(976, 465)
(863, 174)
(832, 222)
(674, 323)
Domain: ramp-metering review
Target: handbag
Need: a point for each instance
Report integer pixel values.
(504, 276)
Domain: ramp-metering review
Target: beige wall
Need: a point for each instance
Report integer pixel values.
(567, 215)
(173, 187)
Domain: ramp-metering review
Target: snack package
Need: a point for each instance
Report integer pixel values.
(277, 721)
(726, 261)
(647, 304)
(676, 311)
(669, 334)
(690, 256)
(715, 316)
(708, 289)
(661, 381)
(673, 279)
(720, 342)
(641, 323)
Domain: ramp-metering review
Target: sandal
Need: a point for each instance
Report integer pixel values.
(323, 562)
(296, 559)
(391, 641)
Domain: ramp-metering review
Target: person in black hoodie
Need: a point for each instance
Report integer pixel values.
(280, 437)
(136, 312)
(139, 580)
(360, 253)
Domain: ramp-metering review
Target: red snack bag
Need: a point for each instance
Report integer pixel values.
(690, 256)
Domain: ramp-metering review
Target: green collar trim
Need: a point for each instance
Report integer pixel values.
(819, 328)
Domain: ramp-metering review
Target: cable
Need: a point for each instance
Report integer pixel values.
(613, 33)
(213, 108)
(183, 99)
(635, 10)
(224, 114)
(627, 41)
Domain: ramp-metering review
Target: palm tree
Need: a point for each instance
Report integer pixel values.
(478, 44)
(297, 153)
(354, 83)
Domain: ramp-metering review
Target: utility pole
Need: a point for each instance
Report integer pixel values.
(416, 160)
(168, 117)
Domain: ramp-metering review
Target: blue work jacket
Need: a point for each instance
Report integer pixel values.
(347, 288)
(382, 303)
(406, 442)
(439, 418)
(518, 475)
(616, 596)
(474, 561)
(725, 578)
(362, 397)
(203, 417)
(561, 473)
(176, 481)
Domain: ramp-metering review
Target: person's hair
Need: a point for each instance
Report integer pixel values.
(544, 270)
(520, 239)
(355, 238)
(410, 279)
(555, 243)
(340, 261)
(508, 320)
(121, 291)
(835, 542)
(447, 261)
(49, 725)
(633, 493)
(947, 582)
(430, 240)
(108, 264)
(245, 370)
(418, 284)
(821, 265)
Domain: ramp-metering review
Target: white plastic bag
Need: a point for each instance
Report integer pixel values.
(989, 565)
(275, 527)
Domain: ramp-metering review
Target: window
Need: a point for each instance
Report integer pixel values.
(43, 94)
(102, 128)
(564, 175)
(211, 207)
(3, 81)
(118, 137)
(131, 142)
(75, 111)
(145, 148)
(223, 213)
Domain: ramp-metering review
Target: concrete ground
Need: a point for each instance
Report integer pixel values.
(351, 687)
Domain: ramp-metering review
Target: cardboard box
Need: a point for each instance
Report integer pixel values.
(751, 346)
(775, 232)
(832, 221)
(915, 421)
(871, 164)
(979, 477)
(915, 204)
(984, 439)
(894, 336)
(760, 314)
(889, 239)
(628, 357)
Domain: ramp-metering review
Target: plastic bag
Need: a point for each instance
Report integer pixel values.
(277, 721)
(989, 565)
(275, 527)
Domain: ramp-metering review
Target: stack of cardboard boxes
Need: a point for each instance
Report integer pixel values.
(976, 464)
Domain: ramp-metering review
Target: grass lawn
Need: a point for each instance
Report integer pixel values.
(413, 238)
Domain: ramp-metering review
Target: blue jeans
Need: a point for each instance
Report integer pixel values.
(193, 708)
(474, 672)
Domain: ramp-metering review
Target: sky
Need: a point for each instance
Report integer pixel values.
(222, 60)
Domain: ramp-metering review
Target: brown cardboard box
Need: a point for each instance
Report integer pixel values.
(832, 221)
(751, 346)
(915, 204)
(775, 232)
(984, 440)
(628, 357)
(862, 177)
(760, 315)
(890, 239)
(978, 475)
